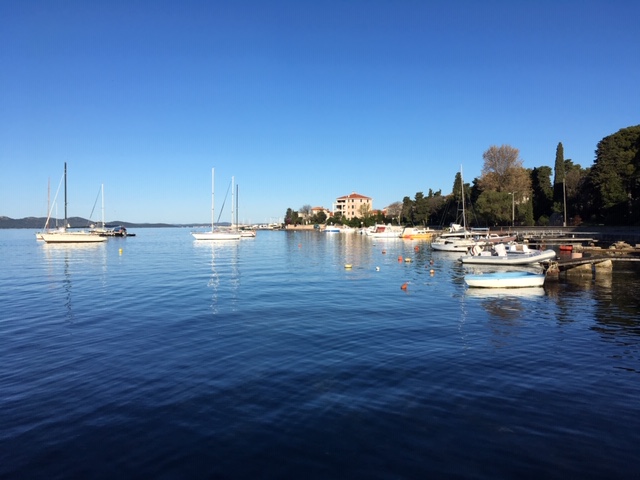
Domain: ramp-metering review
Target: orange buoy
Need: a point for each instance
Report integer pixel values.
(404, 286)
(416, 248)
(400, 258)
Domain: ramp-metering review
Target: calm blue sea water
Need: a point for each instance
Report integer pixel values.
(268, 359)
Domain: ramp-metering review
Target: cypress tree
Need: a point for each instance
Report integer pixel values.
(558, 179)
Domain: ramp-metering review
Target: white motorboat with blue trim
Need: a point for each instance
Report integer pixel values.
(511, 254)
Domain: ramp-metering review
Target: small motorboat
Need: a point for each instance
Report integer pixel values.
(418, 233)
(514, 254)
(505, 280)
(385, 231)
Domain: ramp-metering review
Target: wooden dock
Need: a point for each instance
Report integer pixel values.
(578, 264)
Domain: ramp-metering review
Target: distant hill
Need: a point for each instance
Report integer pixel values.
(78, 222)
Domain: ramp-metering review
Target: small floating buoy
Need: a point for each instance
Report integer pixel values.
(120, 251)
(432, 271)
(384, 251)
(347, 265)
(404, 286)
(377, 269)
(430, 262)
(416, 248)
(407, 260)
(400, 258)
(299, 245)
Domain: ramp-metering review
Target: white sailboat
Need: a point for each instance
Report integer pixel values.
(46, 228)
(244, 232)
(459, 239)
(62, 235)
(100, 230)
(215, 234)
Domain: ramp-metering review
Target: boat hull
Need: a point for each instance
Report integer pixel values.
(505, 280)
(215, 236)
(385, 231)
(413, 233)
(72, 237)
(510, 258)
(460, 245)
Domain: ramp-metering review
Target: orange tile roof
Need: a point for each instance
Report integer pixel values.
(354, 195)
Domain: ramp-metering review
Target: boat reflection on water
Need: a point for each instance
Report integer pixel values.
(505, 303)
(221, 258)
(505, 292)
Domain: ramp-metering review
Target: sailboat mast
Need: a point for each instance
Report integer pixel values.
(464, 216)
(46, 225)
(236, 206)
(65, 195)
(232, 202)
(212, 192)
(102, 188)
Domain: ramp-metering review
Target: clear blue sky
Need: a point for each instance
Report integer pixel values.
(301, 101)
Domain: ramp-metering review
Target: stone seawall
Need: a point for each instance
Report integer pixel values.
(300, 227)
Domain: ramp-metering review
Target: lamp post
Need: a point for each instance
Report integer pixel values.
(513, 207)
(564, 201)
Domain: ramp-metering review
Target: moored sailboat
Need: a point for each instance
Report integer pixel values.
(50, 206)
(458, 239)
(62, 235)
(243, 231)
(215, 234)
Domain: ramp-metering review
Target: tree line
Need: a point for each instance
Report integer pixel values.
(506, 193)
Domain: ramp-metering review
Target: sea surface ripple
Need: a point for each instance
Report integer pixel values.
(158, 356)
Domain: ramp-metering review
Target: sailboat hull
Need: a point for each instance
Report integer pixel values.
(72, 237)
(215, 236)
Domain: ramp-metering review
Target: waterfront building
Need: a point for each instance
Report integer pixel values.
(353, 205)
